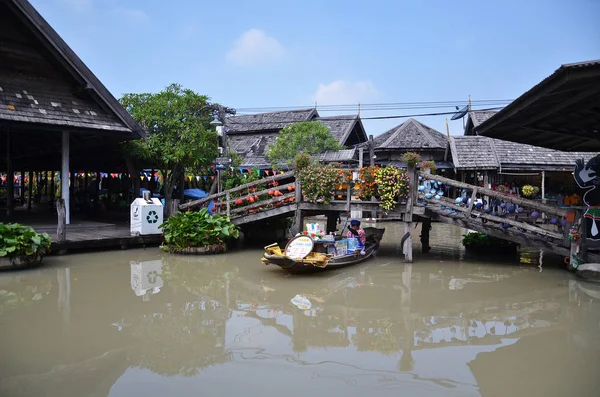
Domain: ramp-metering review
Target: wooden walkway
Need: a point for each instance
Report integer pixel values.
(510, 220)
(102, 238)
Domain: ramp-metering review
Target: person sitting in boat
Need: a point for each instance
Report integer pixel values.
(354, 230)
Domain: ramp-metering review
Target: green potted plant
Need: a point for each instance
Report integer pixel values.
(411, 158)
(428, 166)
(197, 232)
(530, 191)
(392, 185)
(21, 246)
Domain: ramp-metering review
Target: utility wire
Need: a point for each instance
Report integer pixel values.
(375, 106)
(232, 121)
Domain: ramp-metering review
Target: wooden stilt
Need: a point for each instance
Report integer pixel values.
(10, 178)
(425, 228)
(64, 177)
(22, 189)
(408, 216)
(30, 192)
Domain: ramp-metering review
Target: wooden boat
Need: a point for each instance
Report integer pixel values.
(302, 255)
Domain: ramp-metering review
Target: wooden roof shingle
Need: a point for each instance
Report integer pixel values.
(411, 135)
(478, 152)
(44, 82)
(340, 126)
(272, 121)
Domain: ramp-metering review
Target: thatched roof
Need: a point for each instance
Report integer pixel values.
(411, 135)
(272, 121)
(480, 153)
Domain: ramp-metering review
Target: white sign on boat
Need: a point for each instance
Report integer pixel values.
(299, 247)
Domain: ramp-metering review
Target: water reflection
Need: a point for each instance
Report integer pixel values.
(451, 328)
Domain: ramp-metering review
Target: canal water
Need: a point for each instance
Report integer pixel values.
(141, 322)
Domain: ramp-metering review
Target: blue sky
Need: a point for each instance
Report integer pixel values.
(250, 54)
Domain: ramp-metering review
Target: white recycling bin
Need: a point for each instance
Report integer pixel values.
(146, 277)
(146, 216)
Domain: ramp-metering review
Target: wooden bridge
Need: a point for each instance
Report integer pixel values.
(506, 216)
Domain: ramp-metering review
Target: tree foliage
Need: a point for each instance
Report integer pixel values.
(310, 137)
(179, 134)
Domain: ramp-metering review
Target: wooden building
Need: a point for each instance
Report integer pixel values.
(251, 135)
(475, 118)
(489, 162)
(54, 112)
(412, 136)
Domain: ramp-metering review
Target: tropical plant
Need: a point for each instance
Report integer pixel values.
(482, 240)
(179, 134)
(411, 158)
(366, 183)
(301, 161)
(197, 229)
(18, 240)
(428, 164)
(319, 182)
(530, 191)
(392, 184)
(310, 137)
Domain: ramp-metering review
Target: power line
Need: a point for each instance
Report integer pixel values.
(380, 106)
(231, 121)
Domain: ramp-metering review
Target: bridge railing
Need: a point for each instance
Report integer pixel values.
(500, 209)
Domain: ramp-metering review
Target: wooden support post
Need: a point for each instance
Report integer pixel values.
(299, 218)
(64, 176)
(349, 199)
(472, 202)
(181, 192)
(30, 192)
(61, 230)
(22, 189)
(371, 151)
(544, 187)
(361, 156)
(52, 187)
(408, 216)
(425, 228)
(10, 178)
(331, 222)
(228, 203)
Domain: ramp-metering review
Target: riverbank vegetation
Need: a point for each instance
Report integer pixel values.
(197, 232)
(21, 245)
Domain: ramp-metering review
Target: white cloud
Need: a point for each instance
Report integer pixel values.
(342, 92)
(78, 5)
(254, 48)
(134, 15)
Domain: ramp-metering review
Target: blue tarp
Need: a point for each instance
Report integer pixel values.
(195, 194)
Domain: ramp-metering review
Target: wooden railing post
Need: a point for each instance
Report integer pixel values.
(298, 218)
(349, 199)
(473, 198)
(228, 203)
(413, 181)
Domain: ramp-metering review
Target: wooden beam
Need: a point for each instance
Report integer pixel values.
(228, 203)
(195, 203)
(492, 193)
(262, 203)
(498, 219)
(472, 202)
(264, 215)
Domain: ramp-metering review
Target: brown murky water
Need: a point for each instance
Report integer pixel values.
(141, 322)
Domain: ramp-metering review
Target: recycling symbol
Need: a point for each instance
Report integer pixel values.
(152, 277)
(152, 217)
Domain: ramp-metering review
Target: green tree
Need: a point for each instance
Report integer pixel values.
(179, 134)
(310, 137)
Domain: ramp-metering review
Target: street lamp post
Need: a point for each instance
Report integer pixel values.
(223, 160)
